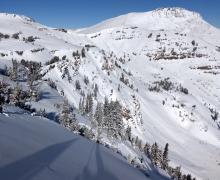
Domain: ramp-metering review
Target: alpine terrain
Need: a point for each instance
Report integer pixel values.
(145, 85)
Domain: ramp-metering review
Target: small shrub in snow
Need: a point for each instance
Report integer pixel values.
(77, 85)
(52, 84)
(20, 53)
(183, 90)
(86, 80)
(15, 35)
(53, 60)
(30, 39)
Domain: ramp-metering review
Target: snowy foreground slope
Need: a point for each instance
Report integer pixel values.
(147, 48)
(34, 148)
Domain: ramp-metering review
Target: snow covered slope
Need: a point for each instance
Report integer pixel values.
(164, 18)
(147, 48)
(35, 148)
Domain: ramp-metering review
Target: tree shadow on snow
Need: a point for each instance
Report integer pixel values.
(101, 172)
(30, 166)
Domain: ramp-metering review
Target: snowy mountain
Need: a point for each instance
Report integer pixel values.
(162, 66)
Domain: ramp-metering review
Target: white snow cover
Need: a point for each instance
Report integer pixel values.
(184, 121)
(34, 148)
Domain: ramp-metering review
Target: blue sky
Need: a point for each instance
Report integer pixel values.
(82, 13)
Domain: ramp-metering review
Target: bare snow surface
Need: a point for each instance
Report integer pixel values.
(33, 148)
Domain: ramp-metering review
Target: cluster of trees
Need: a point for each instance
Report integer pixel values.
(126, 81)
(107, 118)
(13, 95)
(77, 54)
(112, 119)
(4, 36)
(53, 60)
(167, 85)
(160, 158)
(67, 118)
(24, 71)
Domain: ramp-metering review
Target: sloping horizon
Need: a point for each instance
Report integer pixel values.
(85, 13)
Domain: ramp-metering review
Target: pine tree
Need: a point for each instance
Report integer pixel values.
(140, 145)
(73, 125)
(17, 96)
(89, 105)
(14, 70)
(98, 117)
(147, 149)
(114, 119)
(83, 105)
(106, 104)
(154, 154)
(96, 89)
(32, 77)
(165, 159)
(177, 173)
(117, 118)
(65, 118)
(188, 177)
(83, 53)
(136, 141)
(128, 133)
(159, 158)
(2, 95)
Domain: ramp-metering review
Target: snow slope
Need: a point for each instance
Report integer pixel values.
(35, 148)
(165, 43)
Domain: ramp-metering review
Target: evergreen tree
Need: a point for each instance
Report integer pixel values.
(98, 117)
(96, 89)
(128, 133)
(114, 119)
(177, 173)
(106, 108)
(83, 53)
(80, 106)
(159, 158)
(165, 159)
(89, 104)
(83, 105)
(136, 141)
(140, 145)
(65, 118)
(147, 149)
(14, 70)
(32, 77)
(2, 95)
(73, 125)
(188, 177)
(154, 154)
(17, 96)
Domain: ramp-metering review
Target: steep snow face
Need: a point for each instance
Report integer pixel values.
(34, 148)
(165, 18)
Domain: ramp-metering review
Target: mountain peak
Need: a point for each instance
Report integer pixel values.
(170, 18)
(16, 16)
(175, 12)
